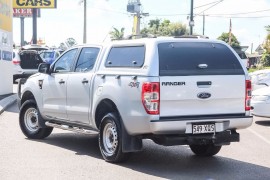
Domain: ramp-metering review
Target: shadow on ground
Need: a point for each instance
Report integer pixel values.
(176, 162)
(263, 123)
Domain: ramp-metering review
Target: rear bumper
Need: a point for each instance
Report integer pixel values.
(222, 138)
(184, 126)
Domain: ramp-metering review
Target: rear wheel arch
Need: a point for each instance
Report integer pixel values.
(104, 107)
(129, 143)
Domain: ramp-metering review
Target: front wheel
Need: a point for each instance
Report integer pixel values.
(205, 150)
(110, 139)
(29, 118)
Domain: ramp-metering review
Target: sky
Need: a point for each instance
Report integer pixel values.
(248, 17)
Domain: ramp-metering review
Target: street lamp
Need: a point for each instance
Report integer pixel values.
(84, 19)
(84, 22)
(191, 22)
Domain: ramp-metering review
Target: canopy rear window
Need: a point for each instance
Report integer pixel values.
(197, 58)
(128, 56)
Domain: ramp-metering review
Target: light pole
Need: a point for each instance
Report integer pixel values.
(84, 22)
(191, 22)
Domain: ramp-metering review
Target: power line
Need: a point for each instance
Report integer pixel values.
(205, 4)
(210, 7)
(168, 14)
(247, 17)
(199, 14)
(251, 12)
(221, 15)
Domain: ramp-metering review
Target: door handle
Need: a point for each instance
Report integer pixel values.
(61, 81)
(84, 81)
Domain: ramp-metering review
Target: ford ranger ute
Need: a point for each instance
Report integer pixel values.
(174, 91)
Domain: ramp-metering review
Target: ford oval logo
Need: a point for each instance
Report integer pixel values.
(204, 95)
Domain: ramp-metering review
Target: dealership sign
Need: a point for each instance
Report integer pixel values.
(24, 12)
(6, 43)
(34, 3)
(5, 30)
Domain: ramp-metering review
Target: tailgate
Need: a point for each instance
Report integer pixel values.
(202, 95)
(30, 59)
(200, 78)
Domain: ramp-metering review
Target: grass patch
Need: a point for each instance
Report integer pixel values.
(256, 69)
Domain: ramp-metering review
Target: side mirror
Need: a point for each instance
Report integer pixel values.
(44, 68)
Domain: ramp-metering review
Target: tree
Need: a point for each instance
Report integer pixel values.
(267, 28)
(234, 42)
(116, 34)
(164, 28)
(265, 60)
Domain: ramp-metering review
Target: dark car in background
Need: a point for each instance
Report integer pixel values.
(26, 61)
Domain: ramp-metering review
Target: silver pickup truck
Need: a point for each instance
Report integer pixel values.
(174, 91)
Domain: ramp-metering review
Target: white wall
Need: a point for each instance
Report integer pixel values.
(6, 43)
(6, 77)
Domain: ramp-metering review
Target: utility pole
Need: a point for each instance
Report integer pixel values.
(134, 7)
(203, 23)
(230, 33)
(191, 22)
(137, 22)
(34, 40)
(22, 31)
(84, 22)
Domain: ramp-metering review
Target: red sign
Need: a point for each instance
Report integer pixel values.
(24, 12)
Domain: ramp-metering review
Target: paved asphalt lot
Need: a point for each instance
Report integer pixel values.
(67, 155)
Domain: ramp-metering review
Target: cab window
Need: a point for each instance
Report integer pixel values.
(65, 63)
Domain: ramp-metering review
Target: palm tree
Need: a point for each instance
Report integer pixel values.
(116, 34)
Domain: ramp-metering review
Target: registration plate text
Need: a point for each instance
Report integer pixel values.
(203, 128)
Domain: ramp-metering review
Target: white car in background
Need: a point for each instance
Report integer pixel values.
(260, 79)
(26, 61)
(260, 102)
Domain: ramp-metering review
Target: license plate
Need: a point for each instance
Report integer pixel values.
(203, 128)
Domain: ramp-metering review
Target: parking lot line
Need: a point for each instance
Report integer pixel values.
(259, 136)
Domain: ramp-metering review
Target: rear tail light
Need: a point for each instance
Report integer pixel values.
(15, 62)
(150, 97)
(248, 95)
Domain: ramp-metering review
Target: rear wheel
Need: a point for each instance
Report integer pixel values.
(205, 150)
(110, 139)
(29, 123)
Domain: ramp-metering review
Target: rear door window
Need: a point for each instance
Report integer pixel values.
(87, 59)
(131, 56)
(197, 58)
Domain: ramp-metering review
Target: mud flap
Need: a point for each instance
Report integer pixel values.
(130, 143)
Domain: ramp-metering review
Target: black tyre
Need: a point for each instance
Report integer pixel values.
(205, 150)
(110, 139)
(29, 117)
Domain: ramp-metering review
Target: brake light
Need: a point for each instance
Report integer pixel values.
(248, 95)
(150, 97)
(15, 62)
